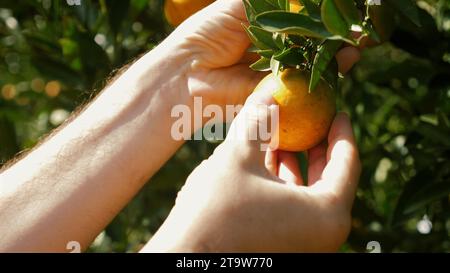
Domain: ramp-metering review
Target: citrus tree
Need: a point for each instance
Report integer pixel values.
(55, 55)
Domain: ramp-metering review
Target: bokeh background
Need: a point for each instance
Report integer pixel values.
(55, 56)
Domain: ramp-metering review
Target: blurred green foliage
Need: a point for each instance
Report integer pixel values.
(55, 56)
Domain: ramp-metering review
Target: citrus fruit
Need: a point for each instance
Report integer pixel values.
(295, 6)
(304, 117)
(176, 11)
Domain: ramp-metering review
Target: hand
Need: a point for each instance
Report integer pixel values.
(237, 201)
(217, 43)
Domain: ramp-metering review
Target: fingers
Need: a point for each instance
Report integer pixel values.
(346, 58)
(271, 162)
(284, 165)
(317, 160)
(252, 129)
(241, 81)
(288, 169)
(343, 167)
(232, 7)
(235, 8)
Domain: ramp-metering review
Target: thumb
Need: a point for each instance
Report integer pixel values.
(255, 127)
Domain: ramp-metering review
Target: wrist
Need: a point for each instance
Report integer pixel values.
(170, 241)
(167, 69)
(162, 71)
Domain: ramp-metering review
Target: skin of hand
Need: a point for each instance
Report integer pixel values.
(241, 199)
(71, 185)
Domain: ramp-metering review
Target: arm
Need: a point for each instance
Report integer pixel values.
(71, 186)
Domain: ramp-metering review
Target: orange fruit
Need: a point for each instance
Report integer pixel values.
(295, 6)
(176, 11)
(305, 118)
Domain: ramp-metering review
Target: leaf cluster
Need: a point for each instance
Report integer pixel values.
(310, 38)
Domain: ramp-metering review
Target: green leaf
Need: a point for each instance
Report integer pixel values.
(274, 3)
(261, 38)
(87, 14)
(283, 4)
(94, 59)
(419, 192)
(8, 139)
(333, 20)
(275, 66)
(41, 43)
(253, 49)
(117, 12)
(297, 40)
(331, 74)
(250, 12)
(368, 28)
(443, 119)
(322, 59)
(312, 8)
(408, 8)
(55, 69)
(265, 53)
(139, 5)
(433, 133)
(279, 40)
(260, 6)
(348, 10)
(291, 23)
(262, 64)
(428, 194)
(382, 22)
(69, 47)
(292, 56)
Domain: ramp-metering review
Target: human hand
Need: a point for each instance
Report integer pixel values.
(240, 199)
(217, 43)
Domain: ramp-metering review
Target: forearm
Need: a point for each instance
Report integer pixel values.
(70, 187)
